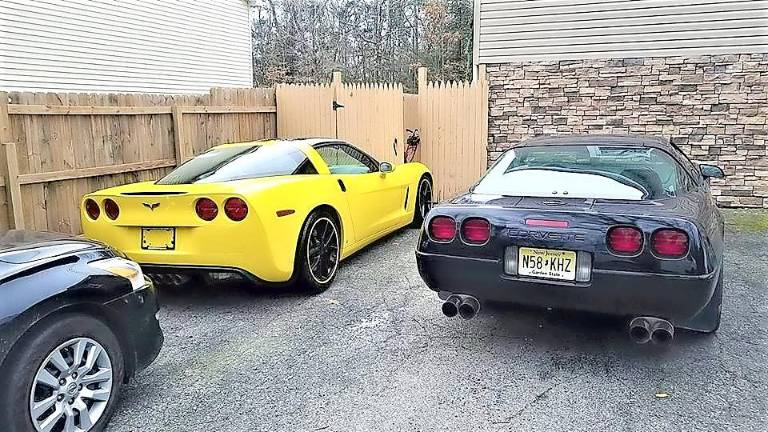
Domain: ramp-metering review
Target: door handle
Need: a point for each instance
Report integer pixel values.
(342, 186)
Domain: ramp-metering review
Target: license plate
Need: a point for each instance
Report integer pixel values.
(158, 238)
(547, 263)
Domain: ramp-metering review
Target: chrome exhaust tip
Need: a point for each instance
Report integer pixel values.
(640, 330)
(451, 306)
(650, 329)
(469, 307)
(663, 332)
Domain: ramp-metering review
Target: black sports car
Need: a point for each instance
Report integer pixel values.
(77, 320)
(610, 224)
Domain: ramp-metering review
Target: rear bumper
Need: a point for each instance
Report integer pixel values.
(673, 297)
(245, 248)
(138, 311)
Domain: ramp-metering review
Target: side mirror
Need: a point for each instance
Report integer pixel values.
(711, 171)
(386, 167)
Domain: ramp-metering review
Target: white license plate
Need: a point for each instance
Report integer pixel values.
(158, 238)
(547, 263)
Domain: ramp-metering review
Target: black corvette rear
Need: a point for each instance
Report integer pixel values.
(658, 257)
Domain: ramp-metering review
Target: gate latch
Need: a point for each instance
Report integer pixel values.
(337, 105)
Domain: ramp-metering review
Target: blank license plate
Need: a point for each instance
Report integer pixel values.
(547, 263)
(158, 238)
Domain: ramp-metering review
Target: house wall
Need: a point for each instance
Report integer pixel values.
(124, 46)
(714, 107)
(514, 30)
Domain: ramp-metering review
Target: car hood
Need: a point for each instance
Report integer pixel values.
(18, 247)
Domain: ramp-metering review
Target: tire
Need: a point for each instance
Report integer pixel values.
(25, 366)
(423, 201)
(316, 268)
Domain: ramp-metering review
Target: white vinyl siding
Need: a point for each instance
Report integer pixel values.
(513, 30)
(149, 46)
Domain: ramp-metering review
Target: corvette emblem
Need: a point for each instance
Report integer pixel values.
(151, 206)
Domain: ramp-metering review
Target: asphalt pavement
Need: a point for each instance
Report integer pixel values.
(374, 353)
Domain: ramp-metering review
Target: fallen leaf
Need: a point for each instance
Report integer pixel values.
(332, 301)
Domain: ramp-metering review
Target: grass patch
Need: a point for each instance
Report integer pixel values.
(746, 220)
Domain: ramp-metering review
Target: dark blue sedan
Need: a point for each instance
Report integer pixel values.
(609, 224)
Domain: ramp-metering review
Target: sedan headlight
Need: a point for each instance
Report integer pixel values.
(122, 267)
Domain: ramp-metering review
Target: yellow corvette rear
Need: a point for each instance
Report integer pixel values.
(251, 225)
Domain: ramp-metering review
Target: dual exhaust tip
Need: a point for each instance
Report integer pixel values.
(641, 329)
(465, 306)
(649, 329)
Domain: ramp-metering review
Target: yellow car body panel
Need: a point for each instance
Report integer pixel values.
(264, 244)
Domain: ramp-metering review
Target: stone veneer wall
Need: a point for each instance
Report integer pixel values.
(713, 107)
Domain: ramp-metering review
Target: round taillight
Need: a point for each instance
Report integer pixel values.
(206, 209)
(442, 228)
(625, 240)
(92, 209)
(236, 209)
(669, 243)
(111, 209)
(476, 230)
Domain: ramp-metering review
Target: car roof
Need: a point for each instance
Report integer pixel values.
(620, 140)
(312, 142)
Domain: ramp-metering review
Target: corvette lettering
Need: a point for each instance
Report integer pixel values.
(544, 235)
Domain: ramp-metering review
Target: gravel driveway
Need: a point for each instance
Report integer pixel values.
(375, 353)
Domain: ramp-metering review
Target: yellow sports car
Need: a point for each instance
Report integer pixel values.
(275, 211)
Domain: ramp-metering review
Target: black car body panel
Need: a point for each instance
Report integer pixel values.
(44, 274)
(641, 284)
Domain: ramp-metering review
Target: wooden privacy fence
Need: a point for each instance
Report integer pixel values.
(367, 115)
(58, 147)
(451, 118)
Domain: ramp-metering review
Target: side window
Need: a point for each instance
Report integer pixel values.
(306, 168)
(344, 159)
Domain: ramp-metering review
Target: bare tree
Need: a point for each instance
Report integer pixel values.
(368, 40)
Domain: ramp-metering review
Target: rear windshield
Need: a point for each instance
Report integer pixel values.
(605, 172)
(236, 163)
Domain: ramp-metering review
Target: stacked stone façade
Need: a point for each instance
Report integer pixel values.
(714, 107)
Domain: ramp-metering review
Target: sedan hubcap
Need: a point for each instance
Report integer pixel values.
(71, 389)
(323, 250)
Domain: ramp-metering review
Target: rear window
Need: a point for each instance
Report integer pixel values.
(237, 163)
(600, 172)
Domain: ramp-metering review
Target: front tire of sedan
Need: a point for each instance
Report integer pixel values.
(319, 252)
(66, 375)
(423, 202)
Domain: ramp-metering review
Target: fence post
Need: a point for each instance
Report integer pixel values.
(10, 168)
(422, 79)
(12, 186)
(484, 102)
(178, 136)
(336, 84)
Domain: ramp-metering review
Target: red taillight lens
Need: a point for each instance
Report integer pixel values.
(236, 209)
(111, 209)
(92, 209)
(625, 240)
(476, 230)
(670, 243)
(442, 228)
(206, 209)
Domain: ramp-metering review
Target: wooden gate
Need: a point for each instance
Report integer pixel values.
(369, 116)
(451, 117)
(453, 125)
